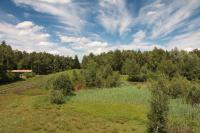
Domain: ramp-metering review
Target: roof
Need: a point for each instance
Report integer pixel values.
(20, 71)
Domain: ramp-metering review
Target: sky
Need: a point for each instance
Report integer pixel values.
(69, 27)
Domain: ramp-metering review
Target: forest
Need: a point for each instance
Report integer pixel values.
(41, 63)
(140, 66)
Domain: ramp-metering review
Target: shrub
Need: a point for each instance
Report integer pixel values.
(158, 108)
(77, 80)
(102, 76)
(112, 80)
(63, 83)
(193, 96)
(178, 87)
(12, 76)
(56, 96)
(90, 74)
(29, 75)
(168, 68)
(59, 86)
(137, 77)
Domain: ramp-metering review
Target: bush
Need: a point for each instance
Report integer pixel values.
(29, 75)
(59, 86)
(63, 83)
(137, 77)
(193, 96)
(112, 80)
(12, 76)
(56, 96)
(102, 76)
(90, 74)
(77, 80)
(178, 87)
(158, 108)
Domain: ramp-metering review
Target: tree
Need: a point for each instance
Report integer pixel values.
(168, 68)
(90, 73)
(117, 61)
(76, 63)
(193, 96)
(178, 87)
(134, 72)
(100, 76)
(60, 86)
(157, 115)
(127, 66)
(63, 83)
(106, 77)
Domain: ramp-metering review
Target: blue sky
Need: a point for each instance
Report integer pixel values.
(69, 27)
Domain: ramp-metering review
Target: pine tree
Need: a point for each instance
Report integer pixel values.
(76, 62)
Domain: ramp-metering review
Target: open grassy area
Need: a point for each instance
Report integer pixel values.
(25, 107)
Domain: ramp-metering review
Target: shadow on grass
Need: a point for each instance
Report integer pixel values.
(9, 82)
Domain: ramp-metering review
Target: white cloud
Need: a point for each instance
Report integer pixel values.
(163, 18)
(56, 1)
(69, 13)
(87, 45)
(114, 16)
(187, 41)
(25, 25)
(139, 36)
(30, 37)
(84, 44)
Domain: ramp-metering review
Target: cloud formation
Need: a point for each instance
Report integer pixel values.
(114, 16)
(69, 13)
(30, 37)
(69, 27)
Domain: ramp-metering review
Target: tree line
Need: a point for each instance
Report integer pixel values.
(141, 66)
(40, 63)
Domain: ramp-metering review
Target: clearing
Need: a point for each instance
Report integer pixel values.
(25, 107)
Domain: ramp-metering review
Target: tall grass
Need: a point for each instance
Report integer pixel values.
(123, 94)
(184, 114)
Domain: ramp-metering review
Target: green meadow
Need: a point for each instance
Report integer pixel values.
(25, 108)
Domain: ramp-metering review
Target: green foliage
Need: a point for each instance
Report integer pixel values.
(56, 96)
(168, 68)
(117, 61)
(76, 63)
(171, 63)
(107, 78)
(102, 76)
(123, 108)
(137, 77)
(77, 79)
(90, 74)
(60, 85)
(135, 72)
(190, 67)
(40, 63)
(63, 83)
(29, 75)
(127, 66)
(178, 87)
(193, 96)
(11, 76)
(158, 108)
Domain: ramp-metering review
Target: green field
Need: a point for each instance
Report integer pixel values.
(25, 108)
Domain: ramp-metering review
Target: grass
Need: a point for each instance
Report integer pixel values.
(25, 107)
